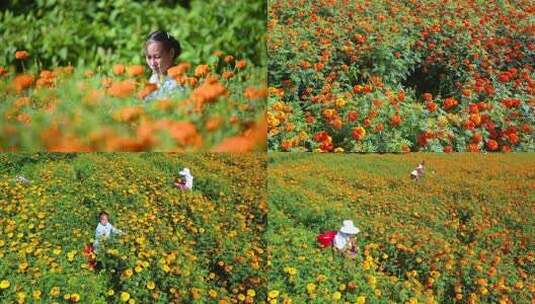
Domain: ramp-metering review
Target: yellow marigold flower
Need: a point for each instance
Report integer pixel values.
(4, 284)
(125, 296)
(54, 292)
(340, 102)
(128, 273)
(75, 297)
(273, 294)
(251, 293)
(111, 292)
(21, 296)
(212, 293)
(36, 294)
(151, 285)
(337, 296)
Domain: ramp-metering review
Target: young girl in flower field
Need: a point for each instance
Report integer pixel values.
(344, 240)
(418, 172)
(186, 180)
(104, 229)
(161, 50)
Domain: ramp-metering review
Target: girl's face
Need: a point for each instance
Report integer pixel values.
(158, 58)
(104, 219)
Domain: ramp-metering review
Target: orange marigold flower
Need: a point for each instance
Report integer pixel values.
(183, 132)
(217, 53)
(3, 71)
(448, 149)
(234, 144)
(135, 70)
(207, 92)
(431, 106)
(213, 123)
(22, 82)
(254, 93)
(227, 74)
(93, 98)
(118, 69)
(395, 120)
(228, 58)
(473, 148)
(122, 89)
(164, 105)
(147, 89)
(21, 55)
(89, 73)
(201, 70)
(358, 133)
(21, 102)
(24, 118)
(178, 70)
(450, 103)
(352, 116)
(241, 64)
(106, 82)
(46, 74)
(128, 113)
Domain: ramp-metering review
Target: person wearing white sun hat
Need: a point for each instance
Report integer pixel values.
(344, 240)
(186, 183)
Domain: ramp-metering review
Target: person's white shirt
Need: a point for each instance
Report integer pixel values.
(340, 240)
(189, 181)
(104, 231)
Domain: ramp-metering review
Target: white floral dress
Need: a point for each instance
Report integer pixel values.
(168, 87)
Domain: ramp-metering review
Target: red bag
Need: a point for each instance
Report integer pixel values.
(325, 239)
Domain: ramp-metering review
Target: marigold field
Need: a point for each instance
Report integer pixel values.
(69, 109)
(391, 76)
(464, 233)
(204, 246)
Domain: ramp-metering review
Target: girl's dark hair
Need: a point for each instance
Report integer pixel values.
(166, 39)
(103, 213)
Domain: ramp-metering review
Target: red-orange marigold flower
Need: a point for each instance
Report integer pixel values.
(122, 89)
(395, 120)
(492, 145)
(178, 70)
(255, 93)
(147, 89)
(241, 64)
(201, 70)
(135, 70)
(118, 69)
(358, 133)
(22, 82)
(21, 55)
(128, 113)
(450, 103)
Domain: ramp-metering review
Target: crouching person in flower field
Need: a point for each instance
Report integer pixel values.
(186, 180)
(344, 241)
